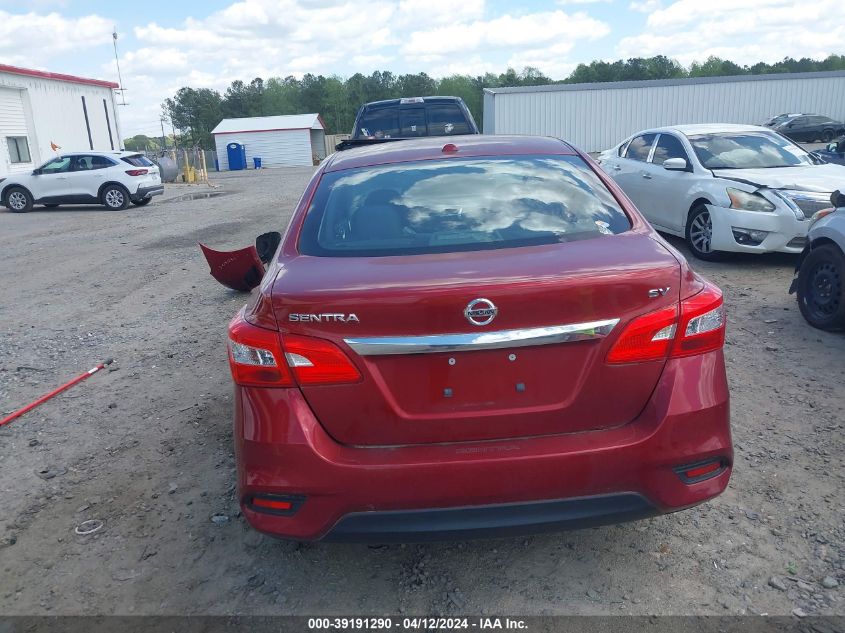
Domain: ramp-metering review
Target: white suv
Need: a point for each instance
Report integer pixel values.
(113, 179)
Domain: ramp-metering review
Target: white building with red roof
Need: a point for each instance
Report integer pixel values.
(41, 111)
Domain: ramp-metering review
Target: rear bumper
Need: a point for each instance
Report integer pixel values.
(147, 192)
(490, 521)
(490, 488)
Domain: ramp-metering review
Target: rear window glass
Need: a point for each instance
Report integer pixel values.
(442, 206)
(139, 160)
(412, 122)
(383, 123)
(446, 119)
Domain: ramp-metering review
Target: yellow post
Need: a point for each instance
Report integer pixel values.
(204, 167)
(187, 169)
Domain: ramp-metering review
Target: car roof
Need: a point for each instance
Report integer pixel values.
(88, 152)
(694, 129)
(408, 102)
(431, 147)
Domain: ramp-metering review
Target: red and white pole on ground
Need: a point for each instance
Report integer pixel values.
(55, 392)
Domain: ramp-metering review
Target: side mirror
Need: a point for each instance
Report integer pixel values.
(837, 199)
(833, 147)
(36, 172)
(266, 245)
(675, 164)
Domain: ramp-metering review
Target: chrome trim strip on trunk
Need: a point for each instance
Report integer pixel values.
(549, 335)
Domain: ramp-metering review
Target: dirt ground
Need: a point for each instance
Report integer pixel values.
(146, 448)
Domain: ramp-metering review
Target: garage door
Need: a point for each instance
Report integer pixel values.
(14, 145)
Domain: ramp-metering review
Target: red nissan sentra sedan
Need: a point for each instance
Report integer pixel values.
(479, 338)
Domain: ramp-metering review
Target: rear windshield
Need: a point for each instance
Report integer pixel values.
(451, 205)
(382, 123)
(410, 120)
(138, 160)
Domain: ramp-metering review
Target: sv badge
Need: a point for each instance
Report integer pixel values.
(654, 293)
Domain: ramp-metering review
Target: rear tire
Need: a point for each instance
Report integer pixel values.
(18, 200)
(821, 288)
(114, 197)
(142, 202)
(699, 234)
(827, 136)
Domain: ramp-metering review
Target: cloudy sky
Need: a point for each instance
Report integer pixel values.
(208, 43)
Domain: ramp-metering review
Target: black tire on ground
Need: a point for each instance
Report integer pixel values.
(699, 234)
(142, 202)
(821, 288)
(827, 136)
(52, 205)
(18, 200)
(114, 197)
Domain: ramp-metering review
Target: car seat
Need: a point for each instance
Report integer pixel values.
(379, 217)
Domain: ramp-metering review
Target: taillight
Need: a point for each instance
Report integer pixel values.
(137, 172)
(255, 356)
(646, 338)
(316, 361)
(702, 326)
(699, 328)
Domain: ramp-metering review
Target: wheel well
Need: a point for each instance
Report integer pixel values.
(696, 203)
(12, 186)
(824, 241)
(109, 184)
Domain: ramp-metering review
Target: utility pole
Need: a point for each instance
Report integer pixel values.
(122, 90)
(175, 140)
(163, 137)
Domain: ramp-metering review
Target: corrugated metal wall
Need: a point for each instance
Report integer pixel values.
(53, 113)
(279, 148)
(597, 118)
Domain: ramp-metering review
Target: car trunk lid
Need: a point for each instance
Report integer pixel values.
(538, 367)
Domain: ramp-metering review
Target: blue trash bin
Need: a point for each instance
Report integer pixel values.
(256, 162)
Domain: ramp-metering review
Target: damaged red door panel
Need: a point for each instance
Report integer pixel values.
(239, 270)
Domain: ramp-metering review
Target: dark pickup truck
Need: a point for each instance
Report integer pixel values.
(396, 119)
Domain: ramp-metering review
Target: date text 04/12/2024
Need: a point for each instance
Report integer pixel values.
(415, 623)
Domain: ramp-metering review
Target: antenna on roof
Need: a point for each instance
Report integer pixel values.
(121, 90)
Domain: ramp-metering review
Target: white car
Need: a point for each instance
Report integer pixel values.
(113, 179)
(724, 187)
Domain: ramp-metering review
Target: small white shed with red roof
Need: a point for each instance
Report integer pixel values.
(279, 141)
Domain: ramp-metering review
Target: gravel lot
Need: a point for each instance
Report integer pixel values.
(146, 448)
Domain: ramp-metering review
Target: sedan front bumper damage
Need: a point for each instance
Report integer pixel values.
(782, 228)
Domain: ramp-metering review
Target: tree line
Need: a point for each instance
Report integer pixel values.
(193, 112)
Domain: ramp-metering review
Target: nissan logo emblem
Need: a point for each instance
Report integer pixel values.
(480, 311)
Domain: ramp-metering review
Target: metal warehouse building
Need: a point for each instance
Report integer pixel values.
(596, 116)
(39, 109)
(279, 141)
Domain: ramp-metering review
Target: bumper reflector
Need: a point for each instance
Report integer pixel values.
(700, 471)
(275, 504)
